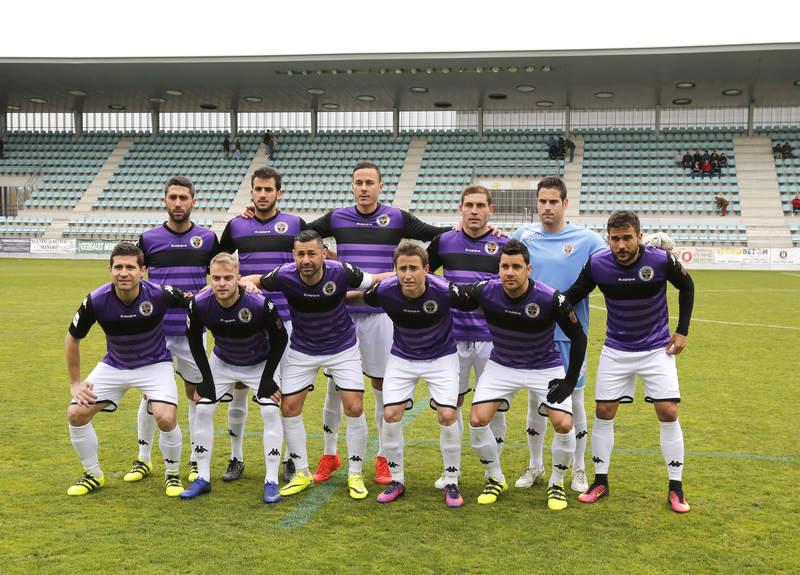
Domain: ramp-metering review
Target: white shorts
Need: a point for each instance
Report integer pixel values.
(374, 332)
(471, 354)
(402, 375)
(499, 383)
(226, 375)
(178, 346)
(617, 371)
(299, 370)
(156, 381)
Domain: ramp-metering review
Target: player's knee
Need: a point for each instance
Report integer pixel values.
(666, 411)
(353, 409)
(78, 416)
(562, 424)
(392, 414)
(606, 410)
(165, 418)
(478, 419)
(289, 409)
(446, 416)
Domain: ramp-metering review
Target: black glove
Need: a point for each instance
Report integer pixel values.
(267, 389)
(206, 389)
(559, 390)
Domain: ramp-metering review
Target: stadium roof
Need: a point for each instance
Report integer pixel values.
(766, 74)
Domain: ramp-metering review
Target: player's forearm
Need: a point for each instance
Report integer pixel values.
(355, 298)
(200, 358)
(72, 350)
(277, 344)
(577, 351)
(253, 278)
(685, 306)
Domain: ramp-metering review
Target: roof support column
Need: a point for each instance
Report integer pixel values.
(750, 111)
(314, 123)
(658, 118)
(480, 121)
(234, 124)
(3, 124)
(155, 122)
(567, 122)
(77, 117)
(395, 122)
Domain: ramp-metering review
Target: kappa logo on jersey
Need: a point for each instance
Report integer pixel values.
(532, 310)
(245, 315)
(383, 220)
(145, 308)
(646, 273)
(568, 249)
(329, 288)
(281, 227)
(430, 306)
(196, 241)
(491, 248)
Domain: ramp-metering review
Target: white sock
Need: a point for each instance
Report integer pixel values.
(84, 440)
(579, 423)
(460, 421)
(450, 446)
(146, 431)
(294, 433)
(204, 438)
(485, 447)
(498, 426)
(672, 448)
(237, 415)
(273, 439)
(602, 444)
(563, 450)
(356, 443)
(192, 414)
(536, 429)
(378, 393)
(331, 418)
(393, 449)
(170, 444)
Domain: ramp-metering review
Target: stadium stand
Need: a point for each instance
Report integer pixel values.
(116, 228)
(31, 226)
(787, 169)
(700, 233)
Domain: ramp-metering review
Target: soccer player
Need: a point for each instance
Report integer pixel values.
(323, 335)
(558, 252)
(366, 235)
(176, 253)
(469, 255)
(249, 340)
(633, 278)
(419, 305)
(131, 311)
(522, 315)
(263, 241)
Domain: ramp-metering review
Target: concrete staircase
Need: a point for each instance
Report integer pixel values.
(573, 171)
(759, 196)
(95, 188)
(242, 197)
(408, 177)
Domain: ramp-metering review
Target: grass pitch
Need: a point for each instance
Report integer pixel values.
(738, 376)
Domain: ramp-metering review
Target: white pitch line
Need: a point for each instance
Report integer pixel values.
(791, 274)
(736, 323)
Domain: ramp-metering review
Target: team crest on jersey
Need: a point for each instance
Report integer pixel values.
(532, 310)
(329, 288)
(245, 315)
(196, 241)
(430, 306)
(383, 220)
(491, 248)
(281, 227)
(568, 249)
(645, 273)
(145, 308)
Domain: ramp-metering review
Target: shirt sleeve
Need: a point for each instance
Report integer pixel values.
(460, 297)
(416, 229)
(322, 225)
(567, 320)
(278, 338)
(175, 297)
(583, 285)
(679, 277)
(84, 319)
(270, 281)
(141, 246)
(434, 261)
(356, 278)
(226, 243)
(215, 247)
(371, 296)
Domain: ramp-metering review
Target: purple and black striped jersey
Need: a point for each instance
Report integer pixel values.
(636, 297)
(180, 260)
(320, 323)
(134, 332)
(263, 245)
(465, 259)
(422, 326)
(369, 240)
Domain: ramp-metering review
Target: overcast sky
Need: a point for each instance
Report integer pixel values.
(91, 28)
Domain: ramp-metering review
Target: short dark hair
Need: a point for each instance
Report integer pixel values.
(553, 182)
(623, 219)
(309, 236)
(181, 181)
(127, 249)
(265, 174)
(516, 248)
(411, 249)
(477, 190)
(367, 165)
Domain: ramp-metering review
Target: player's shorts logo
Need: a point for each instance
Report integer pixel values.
(430, 306)
(281, 227)
(196, 241)
(383, 220)
(532, 310)
(491, 248)
(145, 308)
(329, 288)
(245, 315)
(645, 273)
(568, 249)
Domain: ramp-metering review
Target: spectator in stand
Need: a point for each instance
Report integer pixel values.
(678, 158)
(697, 170)
(796, 204)
(269, 140)
(706, 168)
(786, 151)
(697, 158)
(237, 152)
(723, 160)
(714, 157)
(722, 204)
(706, 156)
(570, 145)
(226, 147)
(777, 152)
(715, 168)
(686, 161)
